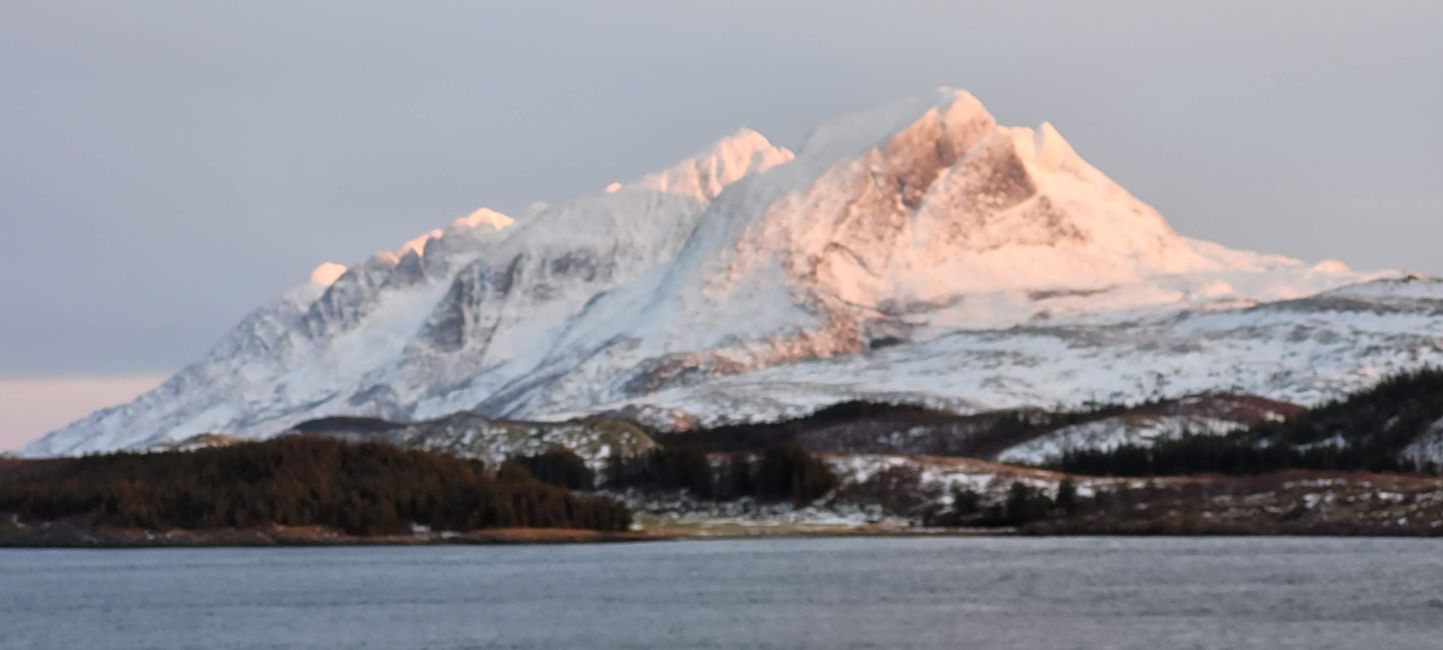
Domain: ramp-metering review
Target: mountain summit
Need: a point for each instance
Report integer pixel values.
(918, 251)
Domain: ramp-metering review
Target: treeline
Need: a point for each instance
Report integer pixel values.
(362, 489)
(784, 472)
(985, 434)
(559, 467)
(1236, 454)
(1016, 427)
(778, 473)
(1366, 431)
(760, 435)
(1023, 505)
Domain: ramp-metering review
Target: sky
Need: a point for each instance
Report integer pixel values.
(167, 166)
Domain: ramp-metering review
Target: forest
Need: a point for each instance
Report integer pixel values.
(845, 427)
(778, 473)
(1365, 431)
(1023, 505)
(361, 489)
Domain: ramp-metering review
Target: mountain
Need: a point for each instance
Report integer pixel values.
(916, 252)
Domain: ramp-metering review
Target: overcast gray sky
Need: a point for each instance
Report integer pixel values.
(165, 166)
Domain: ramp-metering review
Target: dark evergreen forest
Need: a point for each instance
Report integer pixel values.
(362, 489)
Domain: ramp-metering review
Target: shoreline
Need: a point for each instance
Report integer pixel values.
(63, 536)
(71, 537)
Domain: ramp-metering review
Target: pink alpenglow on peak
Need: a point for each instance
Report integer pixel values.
(476, 224)
(726, 161)
(418, 245)
(327, 273)
(483, 217)
(744, 281)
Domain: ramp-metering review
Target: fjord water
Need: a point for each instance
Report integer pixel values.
(824, 593)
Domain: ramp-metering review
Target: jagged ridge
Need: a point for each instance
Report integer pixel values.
(748, 282)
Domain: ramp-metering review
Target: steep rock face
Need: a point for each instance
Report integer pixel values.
(504, 312)
(942, 223)
(746, 282)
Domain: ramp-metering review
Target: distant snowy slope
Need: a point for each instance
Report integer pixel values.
(918, 251)
(1303, 351)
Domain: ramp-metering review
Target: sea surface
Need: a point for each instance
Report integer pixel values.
(777, 593)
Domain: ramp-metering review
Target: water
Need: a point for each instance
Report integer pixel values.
(832, 593)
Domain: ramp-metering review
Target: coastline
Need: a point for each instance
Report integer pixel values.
(64, 536)
(59, 535)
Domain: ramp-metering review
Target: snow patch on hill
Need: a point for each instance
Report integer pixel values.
(1110, 433)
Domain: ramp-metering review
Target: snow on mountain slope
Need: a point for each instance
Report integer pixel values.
(947, 222)
(1208, 414)
(1302, 351)
(993, 264)
(485, 293)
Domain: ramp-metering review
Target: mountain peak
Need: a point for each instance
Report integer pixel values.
(327, 273)
(1044, 147)
(483, 217)
(417, 245)
(850, 135)
(709, 171)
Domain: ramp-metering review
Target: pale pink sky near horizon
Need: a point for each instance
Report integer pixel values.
(32, 407)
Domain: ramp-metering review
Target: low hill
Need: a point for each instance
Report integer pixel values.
(360, 489)
(470, 435)
(1396, 425)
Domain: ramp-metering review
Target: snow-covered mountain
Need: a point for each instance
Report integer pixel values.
(915, 252)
